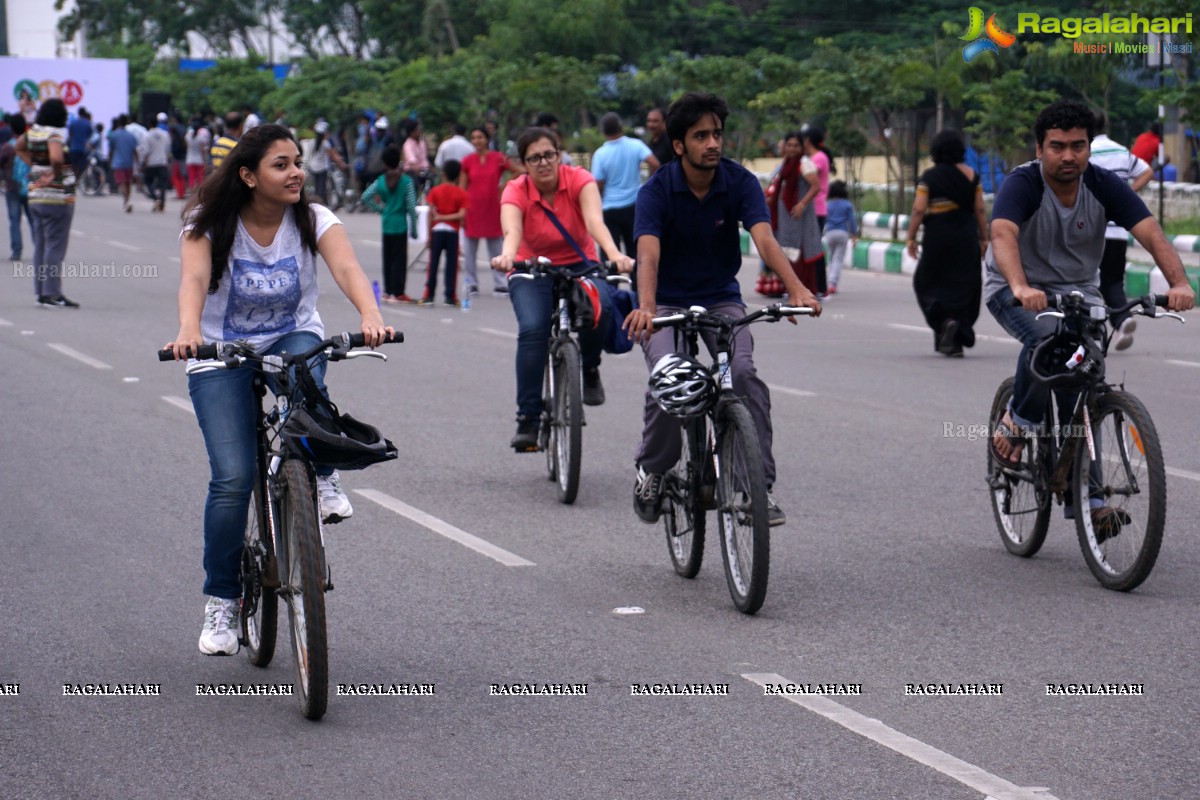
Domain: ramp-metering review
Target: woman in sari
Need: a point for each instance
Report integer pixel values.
(949, 278)
(793, 217)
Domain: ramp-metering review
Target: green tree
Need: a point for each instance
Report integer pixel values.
(1004, 110)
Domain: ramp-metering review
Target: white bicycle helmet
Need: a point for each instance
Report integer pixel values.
(682, 386)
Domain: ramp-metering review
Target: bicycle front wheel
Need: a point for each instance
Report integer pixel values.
(742, 507)
(566, 420)
(260, 579)
(1022, 511)
(304, 585)
(684, 490)
(1120, 495)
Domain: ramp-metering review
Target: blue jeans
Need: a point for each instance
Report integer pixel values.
(16, 204)
(1030, 398)
(533, 303)
(227, 411)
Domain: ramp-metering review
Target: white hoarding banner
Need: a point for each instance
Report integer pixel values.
(101, 85)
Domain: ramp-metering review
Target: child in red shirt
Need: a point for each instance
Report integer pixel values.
(447, 208)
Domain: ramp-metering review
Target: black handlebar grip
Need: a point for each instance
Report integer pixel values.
(203, 352)
(357, 339)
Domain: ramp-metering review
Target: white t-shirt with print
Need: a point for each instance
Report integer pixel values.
(267, 292)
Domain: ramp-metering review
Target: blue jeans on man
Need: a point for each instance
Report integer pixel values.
(1030, 399)
(533, 303)
(227, 411)
(16, 205)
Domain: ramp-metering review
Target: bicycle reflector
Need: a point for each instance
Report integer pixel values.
(682, 386)
(1067, 360)
(341, 442)
(585, 297)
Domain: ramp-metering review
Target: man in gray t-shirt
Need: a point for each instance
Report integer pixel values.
(1047, 231)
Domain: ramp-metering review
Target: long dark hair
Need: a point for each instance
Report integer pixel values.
(215, 208)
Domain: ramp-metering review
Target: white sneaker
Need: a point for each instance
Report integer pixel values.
(219, 636)
(335, 506)
(1123, 338)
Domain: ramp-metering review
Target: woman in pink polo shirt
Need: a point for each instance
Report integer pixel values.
(570, 193)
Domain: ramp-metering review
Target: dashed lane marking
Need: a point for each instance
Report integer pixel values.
(123, 246)
(445, 529)
(498, 332)
(1183, 363)
(179, 402)
(71, 352)
(792, 392)
(5, 323)
(975, 777)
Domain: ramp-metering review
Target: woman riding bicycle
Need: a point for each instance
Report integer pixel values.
(570, 195)
(249, 273)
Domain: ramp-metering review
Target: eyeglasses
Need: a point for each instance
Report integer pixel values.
(550, 156)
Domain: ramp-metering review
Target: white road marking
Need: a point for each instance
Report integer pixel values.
(375, 242)
(78, 356)
(179, 402)
(445, 529)
(498, 332)
(5, 323)
(130, 380)
(975, 777)
(1183, 363)
(792, 392)
(979, 337)
(398, 311)
(123, 246)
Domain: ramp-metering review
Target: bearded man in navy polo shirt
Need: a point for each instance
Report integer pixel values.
(689, 253)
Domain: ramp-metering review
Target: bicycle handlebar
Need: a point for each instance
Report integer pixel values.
(1147, 303)
(342, 342)
(530, 268)
(701, 316)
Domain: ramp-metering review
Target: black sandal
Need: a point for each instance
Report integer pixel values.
(1010, 432)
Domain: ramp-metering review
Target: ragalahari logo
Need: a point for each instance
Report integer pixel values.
(992, 41)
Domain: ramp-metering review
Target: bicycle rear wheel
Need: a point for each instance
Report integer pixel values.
(683, 499)
(565, 444)
(92, 180)
(1121, 539)
(1022, 511)
(742, 507)
(304, 585)
(260, 579)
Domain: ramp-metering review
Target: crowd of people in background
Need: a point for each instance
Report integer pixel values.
(388, 168)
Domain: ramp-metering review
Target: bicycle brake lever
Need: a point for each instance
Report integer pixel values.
(1170, 314)
(1057, 314)
(367, 353)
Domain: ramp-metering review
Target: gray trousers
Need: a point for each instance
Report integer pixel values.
(661, 439)
(470, 250)
(50, 245)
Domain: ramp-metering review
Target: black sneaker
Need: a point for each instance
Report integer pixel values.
(593, 389)
(57, 302)
(775, 515)
(1108, 521)
(647, 496)
(526, 439)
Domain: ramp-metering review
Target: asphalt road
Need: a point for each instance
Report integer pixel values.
(890, 572)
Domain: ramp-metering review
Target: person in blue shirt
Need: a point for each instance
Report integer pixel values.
(124, 148)
(841, 229)
(617, 168)
(79, 133)
(689, 253)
